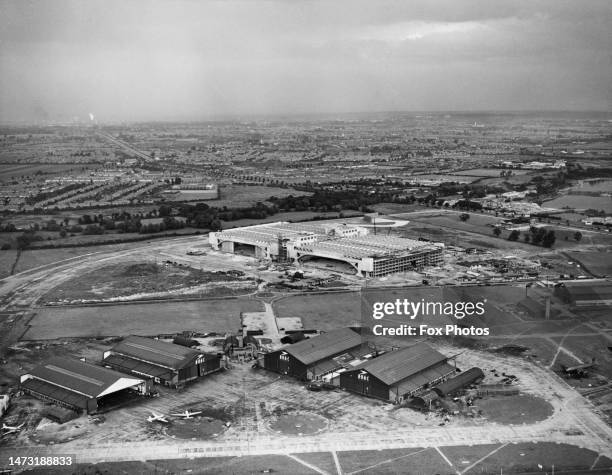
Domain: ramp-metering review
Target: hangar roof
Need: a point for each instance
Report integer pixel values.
(590, 291)
(82, 378)
(460, 381)
(395, 366)
(157, 352)
(324, 345)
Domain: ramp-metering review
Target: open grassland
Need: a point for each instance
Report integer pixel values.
(218, 315)
(7, 259)
(15, 170)
(479, 459)
(597, 263)
(524, 457)
(581, 202)
(147, 277)
(488, 172)
(292, 216)
(477, 223)
(322, 311)
(243, 196)
(31, 258)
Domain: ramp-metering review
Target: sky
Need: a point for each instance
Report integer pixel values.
(139, 60)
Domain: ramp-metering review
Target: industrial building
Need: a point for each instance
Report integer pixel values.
(316, 357)
(165, 363)
(585, 293)
(369, 255)
(459, 382)
(80, 386)
(398, 375)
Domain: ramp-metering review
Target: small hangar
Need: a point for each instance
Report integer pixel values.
(164, 363)
(459, 382)
(80, 386)
(398, 374)
(318, 356)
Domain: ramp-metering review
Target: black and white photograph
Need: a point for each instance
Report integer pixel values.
(290, 237)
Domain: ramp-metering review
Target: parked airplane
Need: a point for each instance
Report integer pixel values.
(155, 417)
(578, 371)
(12, 429)
(187, 414)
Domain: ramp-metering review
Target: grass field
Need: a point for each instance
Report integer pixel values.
(476, 459)
(471, 233)
(35, 258)
(16, 170)
(588, 347)
(144, 277)
(7, 258)
(243, 196)
(219, 315)
(394, 461)
(321, 311)
(517, 458)
(581, 202)
(204, 466)
(598, 263)
(520, 409)
(293, 216)
(488, 172)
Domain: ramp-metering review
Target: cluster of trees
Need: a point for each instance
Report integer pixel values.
(468, 205)
(7, 228)
(535, 236)
(550, 184)
(334, 200)
(165, 224)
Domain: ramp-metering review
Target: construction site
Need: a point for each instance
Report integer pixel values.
(366, 254)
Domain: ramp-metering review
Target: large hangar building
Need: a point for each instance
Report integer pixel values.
(165, 363)
(398, 375)
(370, 255)
(79, 386)
(316, 357)
(586, 293)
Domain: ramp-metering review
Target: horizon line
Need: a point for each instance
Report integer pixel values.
(263, 115)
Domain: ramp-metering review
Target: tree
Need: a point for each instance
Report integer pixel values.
(549, 239)
(497, 231)
(164, 210)
(24, 240)
(464, 216)
(578, 236)
(514, 235)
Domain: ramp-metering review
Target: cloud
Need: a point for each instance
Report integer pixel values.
(128, 59)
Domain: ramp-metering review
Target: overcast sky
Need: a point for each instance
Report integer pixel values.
(169, 60)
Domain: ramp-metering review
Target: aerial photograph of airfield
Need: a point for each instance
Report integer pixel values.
(319, 237)
(145, 329)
